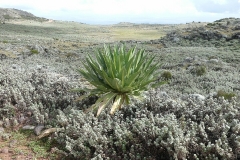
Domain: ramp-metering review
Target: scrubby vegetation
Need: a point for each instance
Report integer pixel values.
(201, 70)
(194, 116)
(183, 120)
(226, 95)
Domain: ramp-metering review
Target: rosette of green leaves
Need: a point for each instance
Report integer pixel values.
(117, 75)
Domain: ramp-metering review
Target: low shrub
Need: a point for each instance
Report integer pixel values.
(34, 51)
(201, 70)
(227, 96)
(166, 75)
(168, 130)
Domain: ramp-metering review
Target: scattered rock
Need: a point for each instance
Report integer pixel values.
(163, 94)
(176, 39)
(213, 61)
(197, 96)
(5, 150)
(21, 119)
(14, 122)
(39, 67)
(28, 127)
(7, 123)
(14, 66)
(13, 143)
(29, 113)
(1, 123)
(237, 27)
(1, 129)
(188, 60)
(63, 79)
(38, 129)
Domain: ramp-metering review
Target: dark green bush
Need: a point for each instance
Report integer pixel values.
(226, 95)
(34, 51)
(166, 75)
(201, 70)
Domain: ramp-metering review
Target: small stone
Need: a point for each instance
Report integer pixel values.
(21, 119)
(14, 66)
(1, 123)
(6, 123)
(12, 143)
(163, 94)
(38, 129)
(39, 67)
(197, 96)
(213, 61)
(29, 113)
(1, 129)
(188, 59)
(28, 127)
(63, 79)
(5, 150)
(19, 157)
(176, 39)
(14, 122)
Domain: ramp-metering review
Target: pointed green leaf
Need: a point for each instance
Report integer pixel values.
(131, 79)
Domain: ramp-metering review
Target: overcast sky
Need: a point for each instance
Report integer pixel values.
(136, 11)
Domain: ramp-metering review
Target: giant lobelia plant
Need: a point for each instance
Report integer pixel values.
(117, 75)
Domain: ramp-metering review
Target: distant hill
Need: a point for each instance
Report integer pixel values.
(220, 33)
(10, 13)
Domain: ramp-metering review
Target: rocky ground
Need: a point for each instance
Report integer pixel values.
(39, 62)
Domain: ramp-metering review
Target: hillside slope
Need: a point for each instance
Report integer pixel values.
(220, 33)
(10, 13)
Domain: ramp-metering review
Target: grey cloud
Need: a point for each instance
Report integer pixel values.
(232, 6)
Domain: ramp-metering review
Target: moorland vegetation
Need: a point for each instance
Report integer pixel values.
(195, 115)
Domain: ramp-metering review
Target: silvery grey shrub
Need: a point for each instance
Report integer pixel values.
(175, 125)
